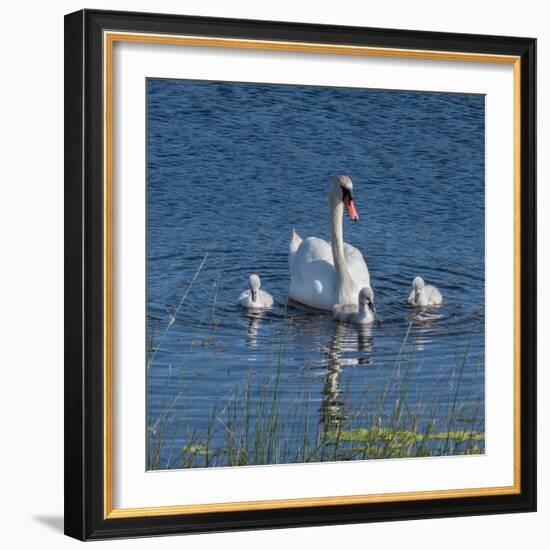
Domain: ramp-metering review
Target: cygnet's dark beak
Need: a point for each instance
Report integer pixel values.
(254, 294)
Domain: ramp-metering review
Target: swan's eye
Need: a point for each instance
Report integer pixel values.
(346, 193)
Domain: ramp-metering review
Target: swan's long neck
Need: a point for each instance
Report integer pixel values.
(337, 243)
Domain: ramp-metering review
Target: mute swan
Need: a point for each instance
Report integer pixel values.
(323, 274)
(361, 314)
(423, 294)
(255, 297)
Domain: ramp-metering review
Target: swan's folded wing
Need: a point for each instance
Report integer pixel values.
(243, 298)
(266, 299)
(357, 266)
(303, 252)
(343, 312)
(313, 277)
(345, 308)
(433, 294)
(295, 242)
(313, 249)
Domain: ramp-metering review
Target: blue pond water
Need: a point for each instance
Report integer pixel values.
(232, 168)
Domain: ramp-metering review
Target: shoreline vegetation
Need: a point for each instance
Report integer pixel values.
(251, 427)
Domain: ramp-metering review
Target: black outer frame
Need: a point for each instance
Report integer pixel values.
(84, 518)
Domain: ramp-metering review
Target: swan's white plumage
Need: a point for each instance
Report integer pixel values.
(255, 297)
(424, 295)
(295, 243)
(316, 279)
(359, 314)
(313, 275)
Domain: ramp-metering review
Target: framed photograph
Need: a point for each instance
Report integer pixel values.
(300, 274)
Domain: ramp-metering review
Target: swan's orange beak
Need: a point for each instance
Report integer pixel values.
(348, 201)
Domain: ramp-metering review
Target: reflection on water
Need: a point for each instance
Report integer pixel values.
(364, 343)
(232, 168)
(333, 406)
(254, 322)
(330, 413)
(424, 320)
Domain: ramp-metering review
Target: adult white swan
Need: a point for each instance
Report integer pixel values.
(324, 274)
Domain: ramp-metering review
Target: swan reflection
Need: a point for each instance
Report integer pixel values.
(423, 326)
(364, 343)
(345, 339)
(253, 323)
